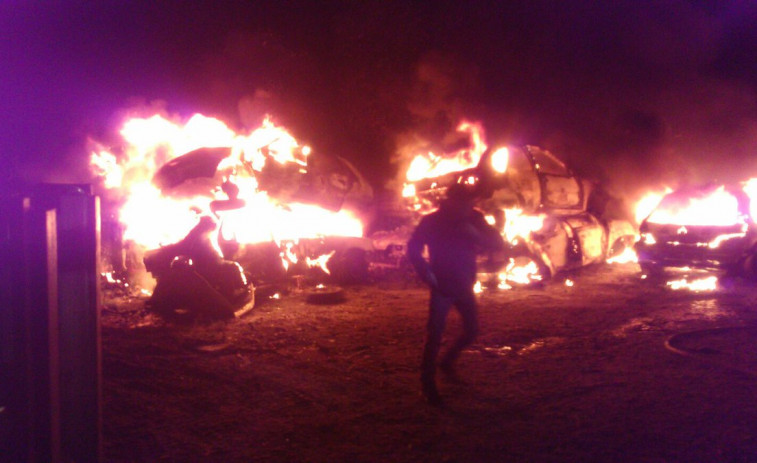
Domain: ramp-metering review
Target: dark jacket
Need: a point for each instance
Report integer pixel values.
(455, 234)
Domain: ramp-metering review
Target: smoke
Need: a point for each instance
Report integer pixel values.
(441, 96)
(633, 95)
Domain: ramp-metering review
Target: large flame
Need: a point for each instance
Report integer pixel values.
(152, 217)
(430, 165)
(520, 226)
(648, 203)
(718, 207)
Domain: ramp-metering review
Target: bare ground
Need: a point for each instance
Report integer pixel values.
(611, 369)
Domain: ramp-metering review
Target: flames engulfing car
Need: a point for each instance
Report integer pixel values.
(707, 227)
(328, 183)
(553, 220)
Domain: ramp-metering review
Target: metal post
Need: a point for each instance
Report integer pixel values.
(79, 322)
(29, 355)
(50, 365)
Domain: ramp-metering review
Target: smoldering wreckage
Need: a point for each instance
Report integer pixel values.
(266, 217)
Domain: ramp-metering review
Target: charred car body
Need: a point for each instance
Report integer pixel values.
(194, 280)
(553, 220)
(705, 227)
(210, 272)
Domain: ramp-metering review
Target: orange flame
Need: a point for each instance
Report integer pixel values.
(321, 262)
(520, 226)
(627, 256)
(709, 283)
(716, 208)
(430, 165)
(648, 203)
(750, 188)
(152, 218)
(524, 271)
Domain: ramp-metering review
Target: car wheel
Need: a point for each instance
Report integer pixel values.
(619, 247)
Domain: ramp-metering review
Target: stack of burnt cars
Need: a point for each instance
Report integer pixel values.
(573, 225)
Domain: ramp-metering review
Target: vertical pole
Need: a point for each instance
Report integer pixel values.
(14, 422)
(79, 322)
(39, 422)
(50, 365)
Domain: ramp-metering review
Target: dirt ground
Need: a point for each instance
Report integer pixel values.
(612, 369)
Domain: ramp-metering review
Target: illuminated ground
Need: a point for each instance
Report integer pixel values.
(610, 369)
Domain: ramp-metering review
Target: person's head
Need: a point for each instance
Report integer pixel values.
(460, 195)
(460, 192)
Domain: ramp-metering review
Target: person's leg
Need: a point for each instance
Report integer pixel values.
(439, 306)
(468, 309)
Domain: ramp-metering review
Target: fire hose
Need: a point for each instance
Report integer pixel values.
(675, 343)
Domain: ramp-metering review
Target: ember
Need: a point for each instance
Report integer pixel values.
(709, 283)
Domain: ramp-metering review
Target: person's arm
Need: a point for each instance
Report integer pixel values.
(415, 255)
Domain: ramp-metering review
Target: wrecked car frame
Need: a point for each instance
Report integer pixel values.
(571, 231)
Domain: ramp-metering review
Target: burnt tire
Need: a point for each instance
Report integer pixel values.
(619, 247)
(325, 295)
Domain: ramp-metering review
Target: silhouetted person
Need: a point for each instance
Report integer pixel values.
(454, 234)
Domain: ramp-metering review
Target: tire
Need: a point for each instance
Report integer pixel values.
(325, 295)
(618, 247)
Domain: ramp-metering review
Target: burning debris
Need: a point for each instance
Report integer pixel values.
(193, 277)
(238, 214)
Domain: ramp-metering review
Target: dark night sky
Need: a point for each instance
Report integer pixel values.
(635, 93)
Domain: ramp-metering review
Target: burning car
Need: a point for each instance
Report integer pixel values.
(213, 214)
(551, 218)
(708, 227)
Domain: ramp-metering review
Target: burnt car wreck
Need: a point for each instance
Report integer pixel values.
(553, 220)
(707, 228)
(194, 280)
(258, 216)
(218, 267)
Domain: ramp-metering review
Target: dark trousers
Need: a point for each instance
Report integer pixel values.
(439, 307)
